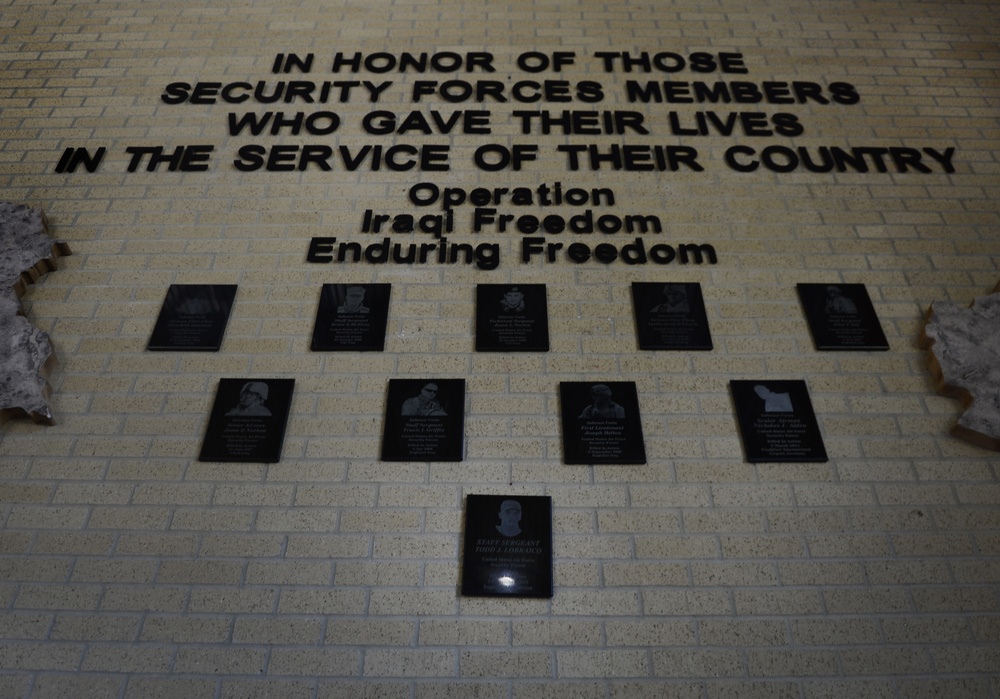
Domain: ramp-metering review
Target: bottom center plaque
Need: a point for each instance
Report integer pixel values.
(508, 546)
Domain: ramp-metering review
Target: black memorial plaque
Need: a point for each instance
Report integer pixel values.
(193, 318)
(777, 421)
(424, 420)
(508, 546)
(351, 317)
(841, 317)
(248, 421)
(511, 318)
(600, 423)
(670, 316)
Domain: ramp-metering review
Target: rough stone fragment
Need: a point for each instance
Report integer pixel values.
(964, 358)
(26, 253)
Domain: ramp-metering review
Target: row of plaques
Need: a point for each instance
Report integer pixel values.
(425, 421)
(508, 538)
(513, 318)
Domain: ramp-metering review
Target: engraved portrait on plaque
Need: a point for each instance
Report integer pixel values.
(351, 317)
(508, 546)
(511, 318)
(777, 422)
(248, 421)
(841, 317)
(600, 423)
(670, 316)
(424, 420)
(193, 318)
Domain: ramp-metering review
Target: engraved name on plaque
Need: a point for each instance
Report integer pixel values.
(508, 546)
(511, 318)
(351, 317)
(193, 318)
(600, 423)
(841, 317)
(248, 421)
(424, 420)
(777, 421)
(670, 316)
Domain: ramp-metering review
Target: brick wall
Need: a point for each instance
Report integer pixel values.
(129, 568)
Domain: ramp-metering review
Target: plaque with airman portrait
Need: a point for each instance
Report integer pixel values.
(842, 317)
(193, 318)
(777, 422)
(351, 318)
(600, 423)
(248, 421)
(424, 420)
(508, 546)
(670, 316)
(511, 318)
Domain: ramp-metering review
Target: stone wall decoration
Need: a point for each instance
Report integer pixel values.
(248, 421)
(670, 316)
(424, 420)
(351, 318)
(841, 317)
(777, 421)
(193, 318)
(508, 546)
(964, 359)
(26, 354)
(600, 423)
(511, 318)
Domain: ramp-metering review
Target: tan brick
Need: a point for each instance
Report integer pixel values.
(555, 633)
(380, 573)
(247, 546)
(132, 569)
(173, 629)
(292, 689)
(62, 597)
(320, 602)
(884, 661)
(636, 573)
(370, 689)
(409, 663)
(56, 686)
(286, 631)
(211, 600)
(697, 662)
(740, 573)
(495, 663)
(835, 631)
(163, 687)
(128, 658)
(29, 626)
(667, 602)
(742, 633)
(114, 571)
(650, 633)
(219, 661)
(370, 632)
(785, 662)
(615, 663)
(205, 572)
(326, 546)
